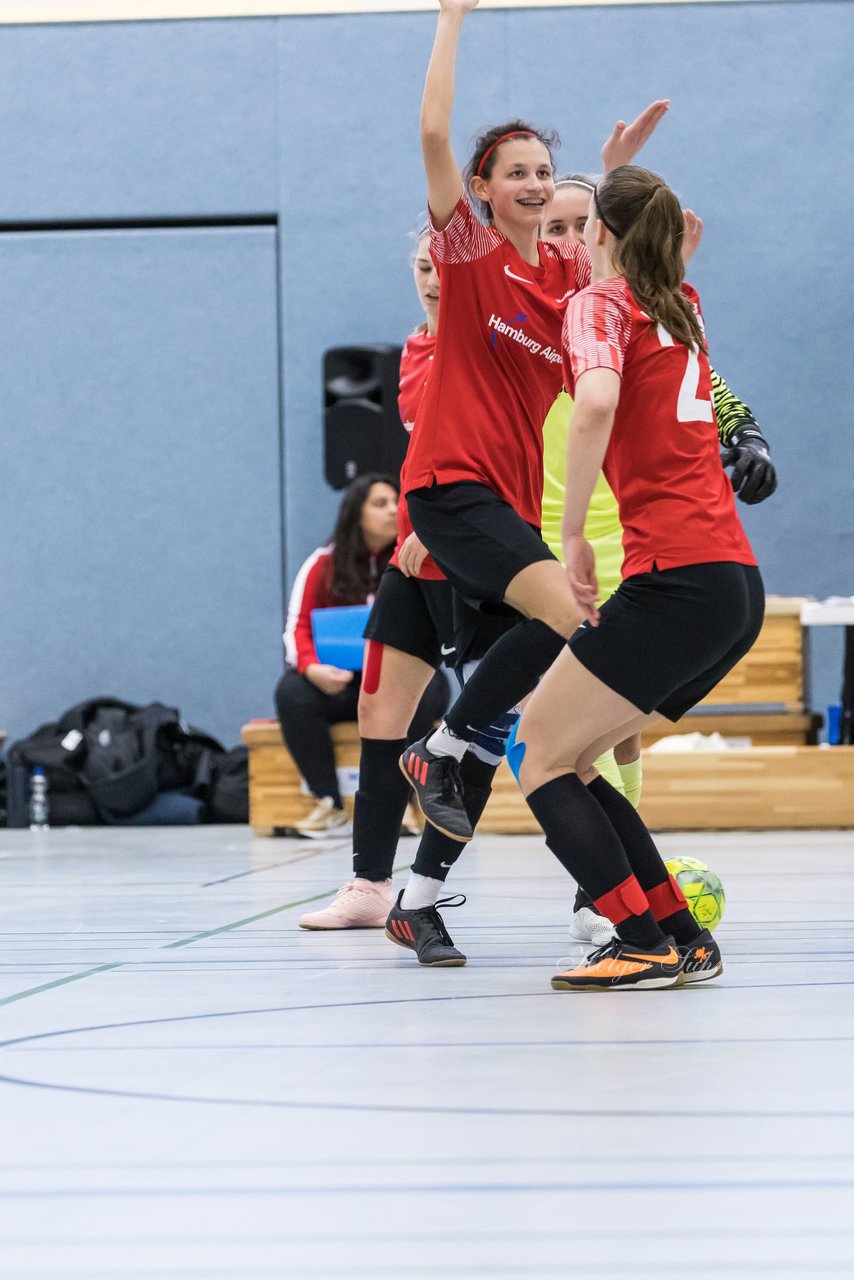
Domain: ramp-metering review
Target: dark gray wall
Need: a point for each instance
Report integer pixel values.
(169, 340)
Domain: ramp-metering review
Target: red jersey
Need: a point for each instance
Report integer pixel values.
(416, 361)
(497, 367)
(663, 461)
(313, 590)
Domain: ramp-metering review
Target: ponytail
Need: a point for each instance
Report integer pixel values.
(646, 220)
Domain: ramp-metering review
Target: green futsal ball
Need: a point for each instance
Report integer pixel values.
(702, 888)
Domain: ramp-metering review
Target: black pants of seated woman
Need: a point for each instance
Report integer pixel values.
(306, 714)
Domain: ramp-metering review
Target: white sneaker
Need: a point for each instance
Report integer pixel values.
(360, 904)
(324, 819)
(588, 926)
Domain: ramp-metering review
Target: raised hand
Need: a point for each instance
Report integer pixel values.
(692, 235)
(458, 6)
(627, 139)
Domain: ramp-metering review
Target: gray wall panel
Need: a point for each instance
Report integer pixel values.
(317, 120)
(140, 491)
(137, 119)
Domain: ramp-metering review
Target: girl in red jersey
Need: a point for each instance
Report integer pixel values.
(474, 472)
(312, 695)
(410, 633)
(691, 602)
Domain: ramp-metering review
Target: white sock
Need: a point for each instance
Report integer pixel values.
(421, 891)
(444, 742)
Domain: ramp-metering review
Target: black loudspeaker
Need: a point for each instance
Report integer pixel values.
(847, 734)
(362, 427)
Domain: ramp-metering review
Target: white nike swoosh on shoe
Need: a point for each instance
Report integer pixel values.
(513, 276)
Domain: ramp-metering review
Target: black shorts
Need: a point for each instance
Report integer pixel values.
(666, 638)
(414, 615)
(476, 538)
(477, 629)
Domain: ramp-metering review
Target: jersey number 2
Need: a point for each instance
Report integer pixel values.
(689, 406)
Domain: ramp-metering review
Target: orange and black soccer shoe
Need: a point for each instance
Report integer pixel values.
(702, 959)
(620, 967)
(423, 931)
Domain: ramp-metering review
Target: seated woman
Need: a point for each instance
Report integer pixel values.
(313, 695)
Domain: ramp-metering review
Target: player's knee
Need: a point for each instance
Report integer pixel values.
(371, 715)
(536, 757)
(562, 616)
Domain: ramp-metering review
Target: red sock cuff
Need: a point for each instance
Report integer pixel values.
(666, 899)
(627, 899)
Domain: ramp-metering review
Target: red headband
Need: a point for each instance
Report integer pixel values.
(517, 133)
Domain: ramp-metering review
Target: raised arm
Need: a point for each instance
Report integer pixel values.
(444, 180)
(627, 139)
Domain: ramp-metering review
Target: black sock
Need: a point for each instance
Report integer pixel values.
(437, 853)
(581, 837)
(507, 674)
(646, 862)
(582, 899)
(379, 807)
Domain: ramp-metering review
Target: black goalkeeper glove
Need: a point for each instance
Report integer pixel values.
(753, 476)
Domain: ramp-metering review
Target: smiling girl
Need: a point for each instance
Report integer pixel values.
(474, 473)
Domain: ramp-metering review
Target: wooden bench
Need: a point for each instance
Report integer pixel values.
(763, 728)
(773, 673)
(755, 789)
(276, 799)
(784, 780)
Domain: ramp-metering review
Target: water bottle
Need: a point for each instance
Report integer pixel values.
(39, 811)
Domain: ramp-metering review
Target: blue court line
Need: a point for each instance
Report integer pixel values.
(302, 1008)
(261, 915)
(182, 942)
(269, 866)
(633, 1186)
(461, 1237)
(403, 1162)
(421, 1045)
(476, 1270)
(407, 1109)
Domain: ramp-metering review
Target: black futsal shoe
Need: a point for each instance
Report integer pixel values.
(702, 959)
(437, 783)
(423, 931)
(619, 967)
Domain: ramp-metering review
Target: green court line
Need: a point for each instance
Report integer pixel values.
(238, 924)
(181, 942)
(59, 982)
(262, 915)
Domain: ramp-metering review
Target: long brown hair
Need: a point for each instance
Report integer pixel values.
(645, 217)
(355, 573)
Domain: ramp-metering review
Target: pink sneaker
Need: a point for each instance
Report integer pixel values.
(360, 904)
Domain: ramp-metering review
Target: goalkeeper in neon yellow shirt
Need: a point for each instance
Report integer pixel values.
(753, 478)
